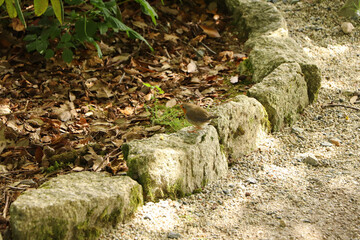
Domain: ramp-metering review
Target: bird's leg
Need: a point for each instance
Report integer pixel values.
(195, 130)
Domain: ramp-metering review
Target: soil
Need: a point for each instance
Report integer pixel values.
(304, 181)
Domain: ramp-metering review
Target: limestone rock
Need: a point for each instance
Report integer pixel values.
(265, 30)
(269, 52)
(283, 93)
(175, 164)
(241, 124)
(257, 18)
(74, 206)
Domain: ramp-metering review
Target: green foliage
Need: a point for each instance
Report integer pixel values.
(160, 91)
(172, 118)
(350, 9)
(56, 167)
(74, 28)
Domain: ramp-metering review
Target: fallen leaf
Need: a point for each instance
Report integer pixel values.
(127, 111)
(120, 58)
(226, 55)
(5, 109)
(140, 24)
(17, 25)
(78, 169)
(153, 128)
(191, 67)
(171, 103)
(171, 37)
(210, 31)
(234, 79)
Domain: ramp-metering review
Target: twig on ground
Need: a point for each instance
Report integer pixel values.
(208, 48)
(340, 105)
(6, 205)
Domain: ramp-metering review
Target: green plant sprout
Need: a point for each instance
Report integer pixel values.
(350, 9)
(160, 91)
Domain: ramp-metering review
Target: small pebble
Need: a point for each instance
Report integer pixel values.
(326, 144)
(335, 141)
(297, 130)
(311, 160)
(226, 191)
(347, 27)
(282, 223)
(251, 180)
(173, 235)
(147, 217)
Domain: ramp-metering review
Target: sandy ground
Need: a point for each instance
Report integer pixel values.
(303, 182)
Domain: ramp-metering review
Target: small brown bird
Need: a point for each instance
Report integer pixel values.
(196, 115)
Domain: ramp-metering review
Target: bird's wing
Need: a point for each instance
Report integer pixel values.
(200, 116)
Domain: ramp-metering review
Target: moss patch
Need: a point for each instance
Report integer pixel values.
(176, 190)
(83, 231)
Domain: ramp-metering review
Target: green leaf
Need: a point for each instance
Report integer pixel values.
(19, 12)
(58, 9)
(80, 30)
(91, 28)
(1, 2)
(66, 37)
(10, 8)
(54, 31)
(41, 45)
(136, 35)
(67, 55)
(116, 23)
(40, 6)
(30, 37)
(31, 46)
(160, 90)
(98, 49)
(49, 53)
(103, 28)
(148, 10)
(74, 2)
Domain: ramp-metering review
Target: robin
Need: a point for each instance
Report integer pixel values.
(196, 115)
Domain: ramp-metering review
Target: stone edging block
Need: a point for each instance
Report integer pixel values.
(270, 46)
(173, 165)
(74, 206)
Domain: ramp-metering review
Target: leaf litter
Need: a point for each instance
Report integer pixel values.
(58, 118)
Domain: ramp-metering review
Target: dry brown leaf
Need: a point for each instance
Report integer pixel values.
(210, 31)
(5, 109)
(152, 35)
(17, 25)
(127, 111)
(171, 37)
(106, 49)
(234, 79)
(171, 103)
(120, 58)
(168, 10)
(78, 169)
(140, 24)
(191, 67)
(226, 55)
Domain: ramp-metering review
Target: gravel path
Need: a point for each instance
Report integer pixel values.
(303, 182)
